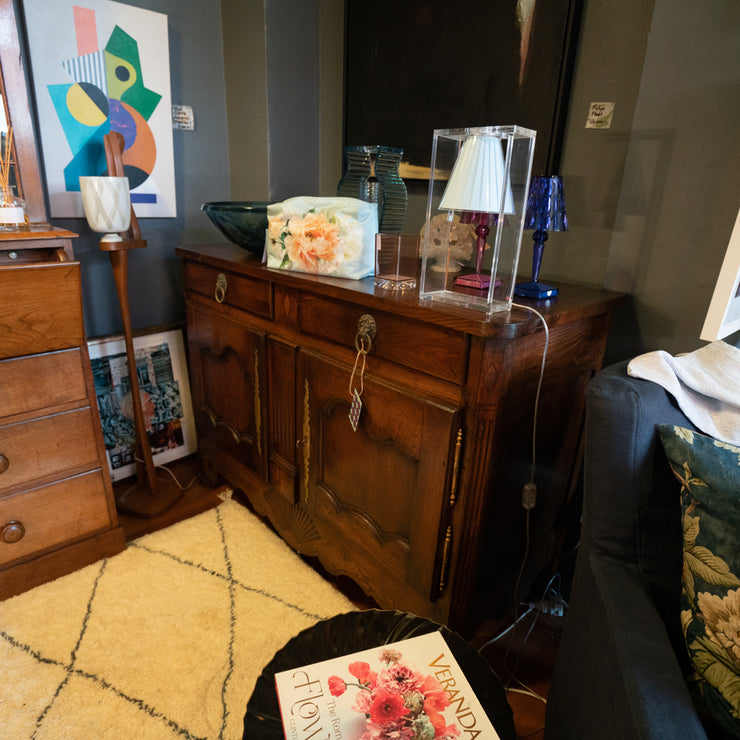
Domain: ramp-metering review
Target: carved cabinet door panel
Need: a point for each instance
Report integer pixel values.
(227, 378)
(380, 497)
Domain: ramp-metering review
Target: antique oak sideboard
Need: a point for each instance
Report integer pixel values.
(422, 504)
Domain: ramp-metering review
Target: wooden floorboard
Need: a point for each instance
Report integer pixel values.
(523, 658)
(197, 497)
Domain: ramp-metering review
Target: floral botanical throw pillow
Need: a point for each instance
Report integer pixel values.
(709, 473)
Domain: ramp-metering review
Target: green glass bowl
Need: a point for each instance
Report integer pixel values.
(242, 222)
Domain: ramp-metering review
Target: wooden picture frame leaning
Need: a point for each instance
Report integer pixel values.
(723, 316)
(421, 65)
(165, 390)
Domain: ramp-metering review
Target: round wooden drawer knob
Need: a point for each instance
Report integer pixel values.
(12, 532)
(4, 463)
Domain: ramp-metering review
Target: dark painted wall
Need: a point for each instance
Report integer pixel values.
(651, 201)
(201, 174)
(670, 65)
(293, 98)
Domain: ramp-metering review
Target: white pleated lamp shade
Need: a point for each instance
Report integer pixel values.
(107, 205)
(477, 182)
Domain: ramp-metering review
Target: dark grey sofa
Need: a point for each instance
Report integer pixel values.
(621, 666)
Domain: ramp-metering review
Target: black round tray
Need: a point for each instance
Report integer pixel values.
(360, 630)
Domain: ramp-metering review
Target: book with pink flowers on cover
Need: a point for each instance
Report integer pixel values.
(413, 689)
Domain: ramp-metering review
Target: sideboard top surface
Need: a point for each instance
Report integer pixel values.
(573, 302)
(34, 231)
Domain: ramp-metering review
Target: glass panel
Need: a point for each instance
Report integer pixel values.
(4, 130)
(23, 168)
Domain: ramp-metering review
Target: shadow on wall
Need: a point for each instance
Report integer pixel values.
(644, 186)
(624, 340)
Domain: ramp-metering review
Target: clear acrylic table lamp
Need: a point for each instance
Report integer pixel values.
(478, 188)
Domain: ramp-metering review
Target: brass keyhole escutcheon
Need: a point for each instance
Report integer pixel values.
(12, 532)
(221, 285)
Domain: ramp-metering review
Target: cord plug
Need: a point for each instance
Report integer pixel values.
(547, 606)
(529, 495)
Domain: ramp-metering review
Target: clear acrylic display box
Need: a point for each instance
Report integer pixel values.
(478, 188)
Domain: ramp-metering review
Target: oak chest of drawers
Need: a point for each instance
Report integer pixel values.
(422, 503)
(57, 511)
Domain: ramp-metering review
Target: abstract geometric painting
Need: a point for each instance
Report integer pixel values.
(101, 66)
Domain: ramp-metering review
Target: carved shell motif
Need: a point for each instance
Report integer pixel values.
(302, 525)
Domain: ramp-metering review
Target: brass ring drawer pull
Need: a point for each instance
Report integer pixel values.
(4, 463)
(12, 532)
(221, 285)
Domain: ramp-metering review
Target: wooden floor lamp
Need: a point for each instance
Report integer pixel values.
(149, 496)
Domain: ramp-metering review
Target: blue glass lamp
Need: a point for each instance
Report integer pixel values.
(545, 212)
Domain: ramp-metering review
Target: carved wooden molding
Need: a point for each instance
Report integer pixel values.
(257, 402)
(218, 422)
(303, 526)
(306, 439)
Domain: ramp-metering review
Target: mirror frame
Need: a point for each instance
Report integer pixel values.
(15, 92)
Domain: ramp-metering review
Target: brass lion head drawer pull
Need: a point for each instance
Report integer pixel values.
(12, 532)
(221, 285)
(366, 331)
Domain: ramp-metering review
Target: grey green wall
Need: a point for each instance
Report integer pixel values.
(284, 80)
(651, 200)
(201, 174)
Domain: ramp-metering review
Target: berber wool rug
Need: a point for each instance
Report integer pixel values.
(163, 641)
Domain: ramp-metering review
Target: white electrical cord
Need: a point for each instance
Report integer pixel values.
(539, 384)
(529, 491)
(182, 487)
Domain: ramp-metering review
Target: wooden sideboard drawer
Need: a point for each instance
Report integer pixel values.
(46, 517)
(40, 308)
(231, 289)
(69, 446)
(434, 350)
(25, 256)
(57, 380)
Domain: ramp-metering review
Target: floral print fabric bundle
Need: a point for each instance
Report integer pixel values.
(323, 236)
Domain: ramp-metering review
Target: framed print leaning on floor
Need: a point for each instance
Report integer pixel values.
(165, 395)
(723, 315)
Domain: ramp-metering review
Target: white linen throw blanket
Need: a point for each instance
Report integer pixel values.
(705, 384)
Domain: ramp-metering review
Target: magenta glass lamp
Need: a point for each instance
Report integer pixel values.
(479, 188)
(545, 212)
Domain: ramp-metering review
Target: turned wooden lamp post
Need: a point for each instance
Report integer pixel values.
(108, 209)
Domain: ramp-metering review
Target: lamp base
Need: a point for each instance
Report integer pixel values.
(473, 280)
(534, 289)
(142, 503)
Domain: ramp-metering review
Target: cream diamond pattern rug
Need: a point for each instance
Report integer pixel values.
(165, 640)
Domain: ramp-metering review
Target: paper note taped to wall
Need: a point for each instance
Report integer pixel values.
(183, 118)
(600, 115)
